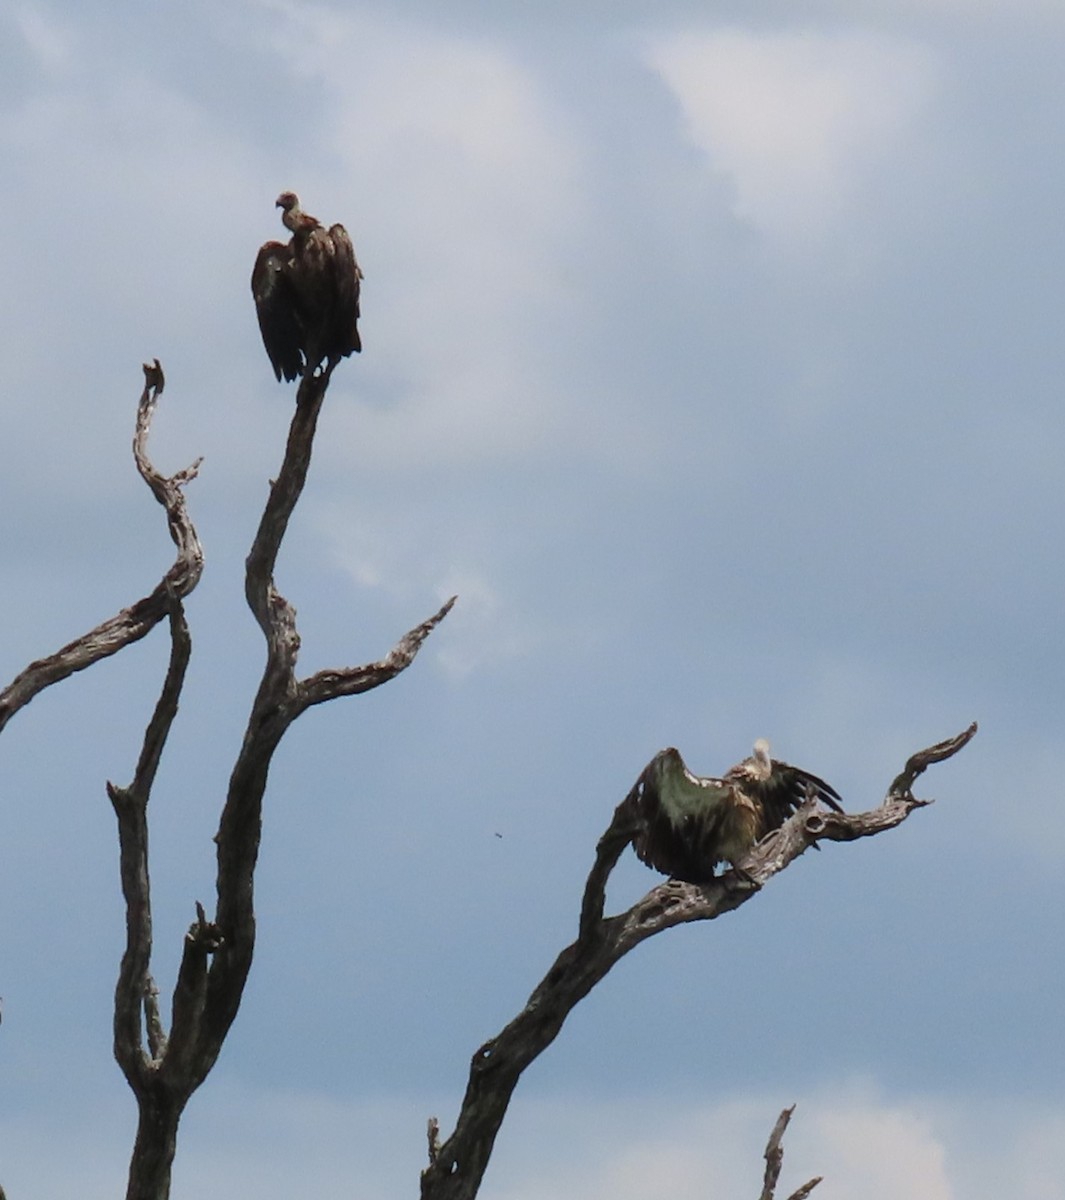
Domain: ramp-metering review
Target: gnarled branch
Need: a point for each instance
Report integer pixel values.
(330, 684)
(135, 990)
(135, 622)
(458, 1164)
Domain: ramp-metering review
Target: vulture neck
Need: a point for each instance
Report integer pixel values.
(291, 217)
(297, 222)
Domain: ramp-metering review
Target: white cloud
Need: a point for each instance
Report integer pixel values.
(795, 119)
(880, 1151)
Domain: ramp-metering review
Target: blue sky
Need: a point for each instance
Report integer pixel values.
(712, 356)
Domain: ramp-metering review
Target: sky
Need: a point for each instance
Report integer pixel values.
(712, 357)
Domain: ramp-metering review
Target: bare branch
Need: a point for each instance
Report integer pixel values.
(331, 684)
(608, 850)
(456, 1168)
(135, 991)
(181, 1069)
(917, 763)
(133, 623)
(272, 611)
(153, 1021)
(801, 1193)
(774, 1155)
(774, 1160)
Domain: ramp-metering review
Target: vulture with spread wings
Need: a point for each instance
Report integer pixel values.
(307, 294)
(688, 824)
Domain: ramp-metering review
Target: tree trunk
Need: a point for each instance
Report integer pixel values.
(153, 1151)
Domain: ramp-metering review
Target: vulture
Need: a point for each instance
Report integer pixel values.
(307, 294)
(688, 824)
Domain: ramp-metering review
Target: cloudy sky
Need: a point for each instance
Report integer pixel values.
(713, 355)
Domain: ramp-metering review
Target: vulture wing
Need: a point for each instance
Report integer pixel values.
(683, 819)
(275, 304)
(346, 276)
(787, 788)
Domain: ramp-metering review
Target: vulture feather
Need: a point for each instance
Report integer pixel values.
(307, 294)
(689, 824)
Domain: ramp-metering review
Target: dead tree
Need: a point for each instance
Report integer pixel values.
(164, 1067)
(457, 1165)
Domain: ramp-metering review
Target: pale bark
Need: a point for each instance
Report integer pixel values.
(774, 1161)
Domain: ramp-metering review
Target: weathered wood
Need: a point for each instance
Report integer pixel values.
(135, 622)
(774, 1161)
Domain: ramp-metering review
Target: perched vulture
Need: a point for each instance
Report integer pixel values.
(307, 294)
(690, 824)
